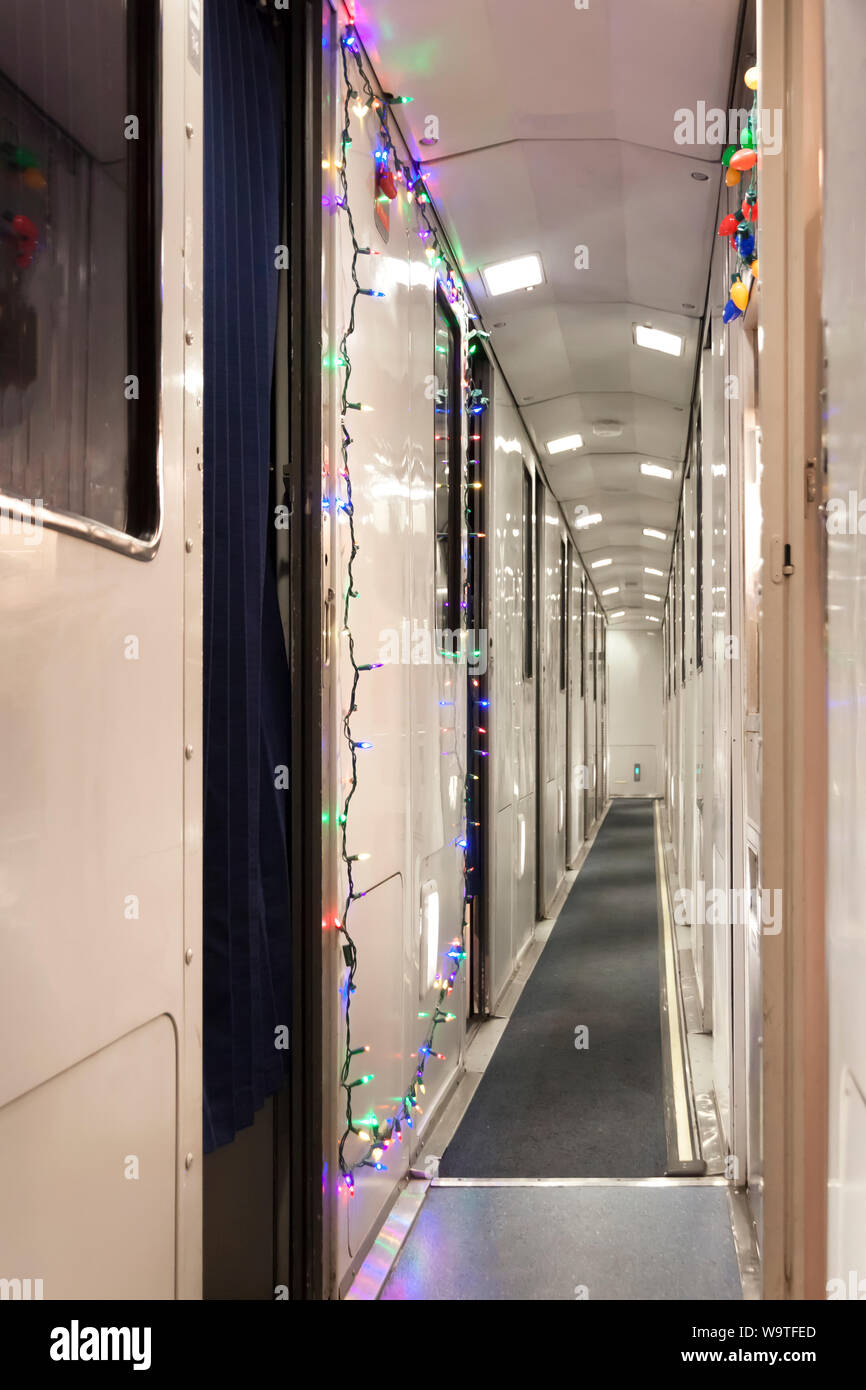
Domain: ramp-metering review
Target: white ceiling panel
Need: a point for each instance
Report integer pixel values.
(584, 474)
(494, 70)
(555, 131)
(653, 428)
(593, 345)
(622, 203)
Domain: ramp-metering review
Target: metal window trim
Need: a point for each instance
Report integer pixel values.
(23, 510)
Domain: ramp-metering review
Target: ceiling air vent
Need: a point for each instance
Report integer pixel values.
(607, 429)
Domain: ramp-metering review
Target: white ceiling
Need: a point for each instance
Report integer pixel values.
(556, 130)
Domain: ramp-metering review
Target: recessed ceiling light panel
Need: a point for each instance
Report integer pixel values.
(658, 340)
(655, 535)
(565, 444)
(599, 564)
(522, 273)
(655, 470)
(592, 519)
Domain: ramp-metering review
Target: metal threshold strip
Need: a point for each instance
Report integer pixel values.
(665, 1182)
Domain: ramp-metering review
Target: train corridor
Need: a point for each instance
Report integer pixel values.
(567, 1165)
(432, 645)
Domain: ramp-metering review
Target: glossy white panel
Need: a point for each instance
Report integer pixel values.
(576, 730)
(635, 712)
(717, 499)
(553, 700)
(512, 714)
(590, 715)
(513, 691)
(100, 691)
(407, 813)
(506, 851)
(386, 992)
(523, 921)
(78, 1216)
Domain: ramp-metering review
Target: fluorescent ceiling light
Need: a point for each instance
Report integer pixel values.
(520, 274)
(568, 441)
(619, 614)
(606, 592)
(651, 618)
(599, 564)
(592, 520)
(655, 470)
(656, 535)
(660, 573)
(658, 340)
(653, 598)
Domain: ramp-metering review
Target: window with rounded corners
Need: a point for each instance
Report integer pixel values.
(79, 269)
(528, 576)
(564, 562)
(581, 644)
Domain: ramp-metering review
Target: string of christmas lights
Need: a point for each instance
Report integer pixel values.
(390, 172)
(477, 702)
(742, 227)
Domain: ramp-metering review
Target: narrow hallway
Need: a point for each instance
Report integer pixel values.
(433, 598)
(574, 1089)
(553, 1186)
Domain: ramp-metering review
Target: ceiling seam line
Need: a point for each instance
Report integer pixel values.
(567, 140)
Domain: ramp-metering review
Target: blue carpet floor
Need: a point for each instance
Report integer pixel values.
(544, 1107)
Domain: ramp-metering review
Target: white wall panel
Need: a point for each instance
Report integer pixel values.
(407, 813)
(590, 723)
(577, 732)
(100, 833)
(635, 711)
(552, 699)
(512, 712)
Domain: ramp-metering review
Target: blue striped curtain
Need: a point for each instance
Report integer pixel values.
(246, 685)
